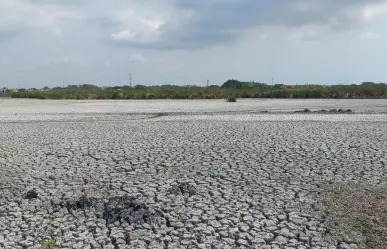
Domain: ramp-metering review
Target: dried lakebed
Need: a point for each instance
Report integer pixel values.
(183, 180)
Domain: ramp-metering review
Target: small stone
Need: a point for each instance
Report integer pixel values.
(31, 194)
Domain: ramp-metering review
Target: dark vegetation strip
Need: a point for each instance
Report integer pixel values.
(229, 90)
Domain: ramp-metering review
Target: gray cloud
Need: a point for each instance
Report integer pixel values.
(69, 60)
(103, 22)
(195, 40)
(184, 24)
(61, 2)
(246, 13)
(136, 58)
(24, 16)
(7, 34)
(213, 22)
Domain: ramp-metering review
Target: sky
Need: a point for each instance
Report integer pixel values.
(186, 42)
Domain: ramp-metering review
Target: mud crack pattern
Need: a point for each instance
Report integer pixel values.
(235, 181)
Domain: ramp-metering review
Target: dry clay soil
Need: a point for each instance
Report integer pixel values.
(180, 180)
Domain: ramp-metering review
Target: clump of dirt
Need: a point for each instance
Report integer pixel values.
(120, 208)
(183, 188)
(131, 210)
(306, 110)
(355, 213)
(31, 194)
(82, 202)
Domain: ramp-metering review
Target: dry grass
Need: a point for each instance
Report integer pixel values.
(355, 213)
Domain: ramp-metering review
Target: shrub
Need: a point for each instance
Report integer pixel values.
(117, 96)
(231, 99)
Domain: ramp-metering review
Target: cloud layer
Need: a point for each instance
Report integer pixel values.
(180, 37)
(196, 24)
(18, 16)
(175, 24)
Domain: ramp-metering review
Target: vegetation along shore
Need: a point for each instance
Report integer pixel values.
(230, 89)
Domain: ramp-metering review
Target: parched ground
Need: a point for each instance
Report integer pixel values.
(193, 181)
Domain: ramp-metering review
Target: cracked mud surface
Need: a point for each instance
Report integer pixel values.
(180, 181)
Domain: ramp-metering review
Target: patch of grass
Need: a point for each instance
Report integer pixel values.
(355, 213)
(231, 99)
(373, 229)
(363, 225)
(49, 244)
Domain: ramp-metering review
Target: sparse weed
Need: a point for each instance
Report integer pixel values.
(49, 244)
(356, 211)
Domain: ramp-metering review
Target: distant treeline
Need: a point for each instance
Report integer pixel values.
(231, 87)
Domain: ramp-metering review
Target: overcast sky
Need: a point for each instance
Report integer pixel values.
(45, 42)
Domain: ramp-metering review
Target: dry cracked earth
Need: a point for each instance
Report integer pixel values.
(180, 180)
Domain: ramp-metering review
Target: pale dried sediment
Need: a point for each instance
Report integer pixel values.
(180, 181)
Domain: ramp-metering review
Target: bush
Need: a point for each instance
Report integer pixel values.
(117, 96)
(231, 99)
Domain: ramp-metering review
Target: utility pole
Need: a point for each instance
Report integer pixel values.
(272, 81)
(130, 79)
(208, 83)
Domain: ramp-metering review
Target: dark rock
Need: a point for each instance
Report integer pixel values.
(340, 110)
(306, 110)
(31, 194)
(348, 110)
(333, 110)
(183, 188)
(321, 111)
